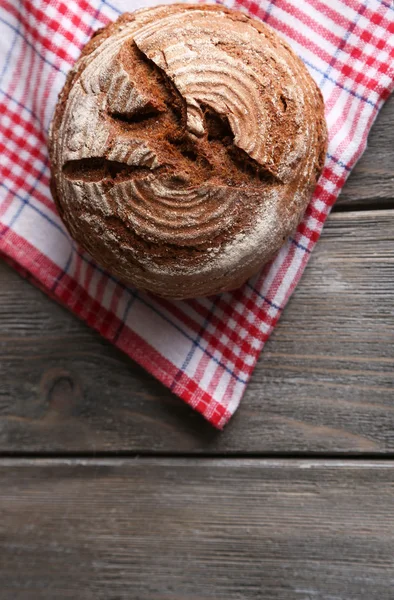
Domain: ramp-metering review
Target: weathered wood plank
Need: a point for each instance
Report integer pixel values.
(196, 529)
(324, 383)
(371, 183)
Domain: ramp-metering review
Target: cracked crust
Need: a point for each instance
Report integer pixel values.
(185, 146)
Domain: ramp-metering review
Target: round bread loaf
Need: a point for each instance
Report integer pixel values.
(185, 146)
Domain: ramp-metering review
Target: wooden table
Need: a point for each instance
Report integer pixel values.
(111, 488)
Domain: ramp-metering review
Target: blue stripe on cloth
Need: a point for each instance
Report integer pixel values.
(343, 87)
(10, 51)
(300, 246)
(195, 344)
(91, 262)
(64, 271)
(23, 107)
(189, 337)
(342, 43)
(268, 10)
(32, 46)
(157, 312)
(264, 298)
(24, 201)
(339, 162)
(112, 7)
(96, 14)
(130, 302)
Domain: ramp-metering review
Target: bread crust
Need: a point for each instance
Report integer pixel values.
(185, 146)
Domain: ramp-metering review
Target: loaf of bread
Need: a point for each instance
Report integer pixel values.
(185, 146)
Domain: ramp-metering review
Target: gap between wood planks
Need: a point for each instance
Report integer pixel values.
(275, 460)
(370, 205)
(269, 457)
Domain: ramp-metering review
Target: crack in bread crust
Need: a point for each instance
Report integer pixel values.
(185, 147)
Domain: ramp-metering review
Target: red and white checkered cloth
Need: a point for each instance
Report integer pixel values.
(203, 349)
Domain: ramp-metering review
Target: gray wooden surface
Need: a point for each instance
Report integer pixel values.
(181, 529)
(371, 183)
(324, 382)
(199, 526)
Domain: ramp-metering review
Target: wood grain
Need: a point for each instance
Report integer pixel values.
(161, 529)
(324, 383)
(371, 183)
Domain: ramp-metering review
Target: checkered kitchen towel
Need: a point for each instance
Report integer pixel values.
(203, 349)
